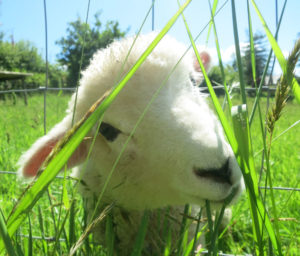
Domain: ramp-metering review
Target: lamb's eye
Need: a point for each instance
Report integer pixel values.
(108, 131)
(193, 81)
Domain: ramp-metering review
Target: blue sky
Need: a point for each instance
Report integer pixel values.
(24, 20)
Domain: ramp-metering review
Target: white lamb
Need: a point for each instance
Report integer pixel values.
(177, 155)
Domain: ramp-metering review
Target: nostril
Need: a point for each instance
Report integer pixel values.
(220, 175)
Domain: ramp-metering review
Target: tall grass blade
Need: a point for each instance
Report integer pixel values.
(65, 197)
(196, 233)
(279, 55)
(30, 244)
(227, 129)
(239, 117)
(265, 69)
(121, 84)
(139, 240)
(210, 227)
(238, 53)
(5, 236)
(257, 208)
(109, 235)
(65, 148)
(252, 50)
(41, 221)
(220, 58)
(181, 246)
(72, 233)
(89, 229)
(190, 249)
(211, 23)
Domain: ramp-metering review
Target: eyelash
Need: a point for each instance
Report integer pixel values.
(108, 131)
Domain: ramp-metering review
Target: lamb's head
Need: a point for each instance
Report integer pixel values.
(177, 154)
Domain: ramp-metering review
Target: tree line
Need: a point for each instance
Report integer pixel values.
(23, 56)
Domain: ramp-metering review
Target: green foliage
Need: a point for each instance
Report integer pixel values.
(79, 35)
(23, 56)
(20, 127)
(20, 56)
(260, 52)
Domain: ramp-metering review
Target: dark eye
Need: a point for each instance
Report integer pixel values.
(193, 81)
(108, 131)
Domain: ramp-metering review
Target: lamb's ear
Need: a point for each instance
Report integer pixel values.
(31, 161)
(206, 60)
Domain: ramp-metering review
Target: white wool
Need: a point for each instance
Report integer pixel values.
(178, 135)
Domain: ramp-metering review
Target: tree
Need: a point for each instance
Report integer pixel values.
(23, 56)
(260, 53)
(93, 38)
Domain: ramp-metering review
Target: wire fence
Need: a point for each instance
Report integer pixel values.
(73, 89)
(202, 89)
(46, 89)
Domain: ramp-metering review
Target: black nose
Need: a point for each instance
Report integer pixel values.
(220, 175)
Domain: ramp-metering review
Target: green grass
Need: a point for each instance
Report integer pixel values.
(51, 216)
(21, 125)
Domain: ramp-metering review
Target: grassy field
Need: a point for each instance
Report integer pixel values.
(21, 125)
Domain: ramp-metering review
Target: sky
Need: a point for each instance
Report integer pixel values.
(25, 20)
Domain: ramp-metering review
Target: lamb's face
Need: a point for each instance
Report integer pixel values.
(178, 153)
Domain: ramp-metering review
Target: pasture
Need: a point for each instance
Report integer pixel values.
(21, 125)
(49, 217)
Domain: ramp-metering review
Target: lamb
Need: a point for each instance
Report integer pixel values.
(177, 155)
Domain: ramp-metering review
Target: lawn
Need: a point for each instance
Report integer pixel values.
(21, 125)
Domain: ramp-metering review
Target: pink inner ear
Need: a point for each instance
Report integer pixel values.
(205, 60)
(34, 164)
(32, 167)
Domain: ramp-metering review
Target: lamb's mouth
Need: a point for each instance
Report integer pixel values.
(225, 201)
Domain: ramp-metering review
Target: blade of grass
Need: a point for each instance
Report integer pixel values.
(279, 55)
(30, 244)
(144, 55)
(65, 197)
(278, 136)
(5, 236)
(258, 211)
(81, 60)
(137, 124)
(196, 233)
(139, 240)
(109, 235)
(211, 23)
(41, 221)
(266, 68)
(218, 108)
(239, 117)
(72, 140)
(89, 229)
(238, 53)
(218, 221)
(181, 246)
(210, 227)
(220, 58)
(190, 249)
(72, 233)
(253, 64)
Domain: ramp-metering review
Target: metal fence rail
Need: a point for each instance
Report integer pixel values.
(71, 89)
(39, 89)
(261, 187)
